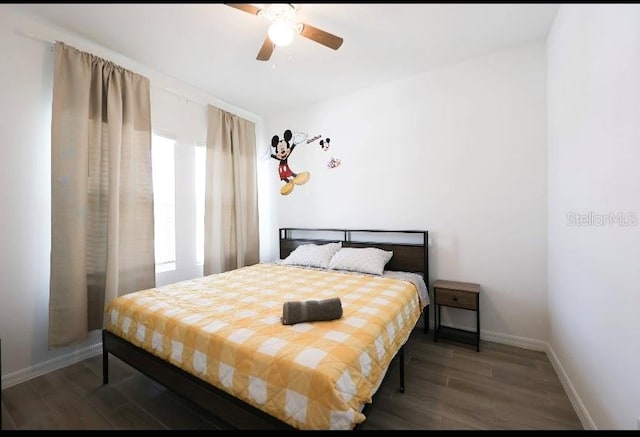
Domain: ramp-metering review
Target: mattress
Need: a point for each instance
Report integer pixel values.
(226, 329)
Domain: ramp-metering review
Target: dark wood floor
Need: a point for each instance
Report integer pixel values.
(448, 386)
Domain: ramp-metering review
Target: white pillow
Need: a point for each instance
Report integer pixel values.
(364, 260)
(312, 255)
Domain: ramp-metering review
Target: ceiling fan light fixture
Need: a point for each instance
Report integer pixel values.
(281, 33)
(284, 28)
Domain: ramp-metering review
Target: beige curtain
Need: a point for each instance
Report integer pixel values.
(102, 195)
(231, 202)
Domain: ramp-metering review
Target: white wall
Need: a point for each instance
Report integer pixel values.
(25, 186)
(25, 196)
(461, 152)
(594, 152)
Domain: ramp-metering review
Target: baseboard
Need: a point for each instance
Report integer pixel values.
(514, 340)
(510, 340)
(28, 373)
(578, 405)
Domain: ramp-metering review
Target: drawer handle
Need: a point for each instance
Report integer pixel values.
(455, 299)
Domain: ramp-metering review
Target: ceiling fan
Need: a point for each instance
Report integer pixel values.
(284, 27)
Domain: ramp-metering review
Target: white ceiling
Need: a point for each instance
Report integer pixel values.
(213, 47)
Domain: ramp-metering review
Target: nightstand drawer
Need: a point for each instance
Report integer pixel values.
(458, 299)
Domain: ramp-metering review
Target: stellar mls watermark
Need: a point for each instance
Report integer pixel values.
(620, 218)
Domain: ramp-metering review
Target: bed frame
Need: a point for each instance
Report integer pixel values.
(411, 257)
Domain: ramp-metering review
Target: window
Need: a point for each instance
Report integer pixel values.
(164, 201)
(201, 157)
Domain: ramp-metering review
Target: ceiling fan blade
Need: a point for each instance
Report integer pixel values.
(266, 50)
(254, 10)
(320, 36)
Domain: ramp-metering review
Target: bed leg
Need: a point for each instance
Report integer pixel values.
(105, 362)
(402, 369)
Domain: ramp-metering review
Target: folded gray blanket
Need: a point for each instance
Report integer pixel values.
(311, 310)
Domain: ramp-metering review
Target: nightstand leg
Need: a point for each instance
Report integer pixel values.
(436, 326)
(0, 385)
(435, 316)
(478, 324)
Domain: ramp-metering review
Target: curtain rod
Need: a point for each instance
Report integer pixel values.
(53, 42)
(36, 38)
(200, 101)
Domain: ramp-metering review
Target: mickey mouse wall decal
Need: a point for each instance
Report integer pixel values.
(283, 149)
(325, 144)
(333, 162)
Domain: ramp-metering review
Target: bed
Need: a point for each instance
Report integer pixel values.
(219, 340)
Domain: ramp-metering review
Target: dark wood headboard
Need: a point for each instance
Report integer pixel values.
(411, 256)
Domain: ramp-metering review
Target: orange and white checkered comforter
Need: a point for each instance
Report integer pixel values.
(226, 330)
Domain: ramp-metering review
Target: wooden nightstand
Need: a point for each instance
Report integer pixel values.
(464, 295)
